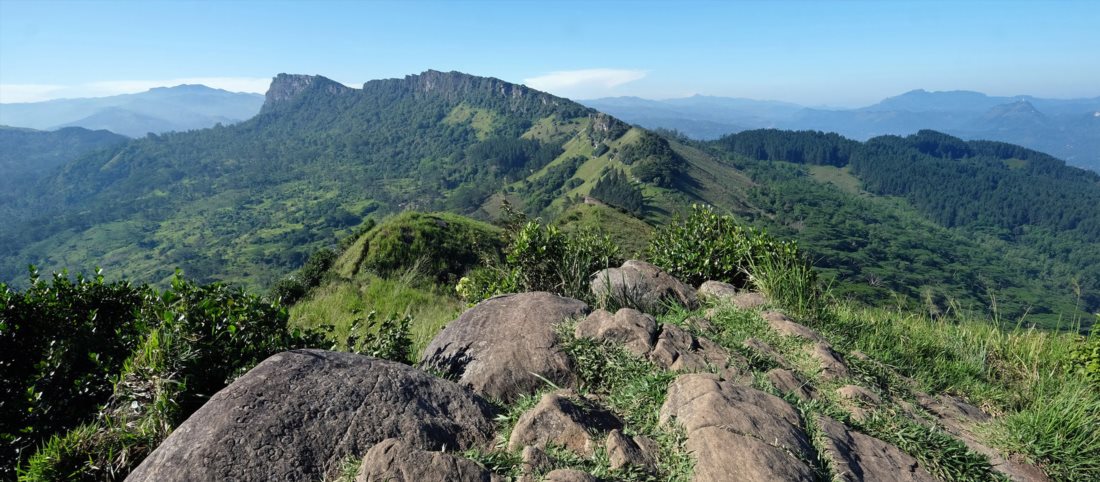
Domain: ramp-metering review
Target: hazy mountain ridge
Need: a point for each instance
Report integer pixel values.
(1066, 128)
(158, 110)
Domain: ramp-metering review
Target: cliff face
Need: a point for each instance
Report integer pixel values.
(287, 87)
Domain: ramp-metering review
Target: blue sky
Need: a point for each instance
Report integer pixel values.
(810, 52)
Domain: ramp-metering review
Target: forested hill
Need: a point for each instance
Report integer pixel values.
(27, 155)
(248, 202)
(928, 219)
(992, 191)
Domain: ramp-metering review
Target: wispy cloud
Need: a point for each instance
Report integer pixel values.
(10, 93)
(584, 82)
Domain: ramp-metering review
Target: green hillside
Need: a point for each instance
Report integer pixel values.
(929, 222)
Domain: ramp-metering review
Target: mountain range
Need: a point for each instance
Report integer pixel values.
(158, 110)
(1066, 128)
(928, 219)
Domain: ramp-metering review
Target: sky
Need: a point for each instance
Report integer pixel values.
(816, 53)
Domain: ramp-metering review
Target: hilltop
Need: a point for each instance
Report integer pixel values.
(562, 361)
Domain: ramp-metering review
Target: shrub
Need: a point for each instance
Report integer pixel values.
(61, 343)
(707, 246)
(441, 246)
(186, 343)
(542, 258)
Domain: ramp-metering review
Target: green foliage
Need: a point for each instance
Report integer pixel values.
(292, 288)
(799, 147)
(182, 345)
(61, 343)
(1085, 359)
(388, 338)
(939, 453)
(1060, 430)
(541, 191)
(652, 160)
(707, 246)
(616, 190)
(440, 246)
(543, 258)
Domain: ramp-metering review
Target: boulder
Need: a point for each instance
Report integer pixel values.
(719, 292)
(716, 291)
(535, 460)
(623, 451)
(506, 346)
(725, 456)
(560, 421)
(789, 382)
(395, 461)
(832, 364)
(700, 400)
(569, 475)
(677, 350)
(857, 457)
(635, 330)
(643, 285)
(787, 327)
(298, 414)
(765, 351)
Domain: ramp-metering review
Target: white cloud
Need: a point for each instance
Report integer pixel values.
(584, 82)
(10, 93)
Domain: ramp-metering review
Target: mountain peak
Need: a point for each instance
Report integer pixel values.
(285, 87)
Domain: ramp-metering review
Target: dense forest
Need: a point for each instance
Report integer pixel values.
(1010, 215)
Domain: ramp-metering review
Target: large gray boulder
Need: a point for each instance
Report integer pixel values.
(643, 285)
(299, 414)
(506, 346)
(560, 421)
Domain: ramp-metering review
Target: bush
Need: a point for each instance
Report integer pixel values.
(543, 258)
(182, 345)
(61, 344)
(441, 246)
(706, 246)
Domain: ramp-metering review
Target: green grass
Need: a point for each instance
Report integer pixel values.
(343, 302)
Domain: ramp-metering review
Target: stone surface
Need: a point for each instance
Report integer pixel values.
(623, 451)
(725, 456)
(858, 457)
(716, 291)
(643, 285)
(787, 381)
(859, 394)
(766, 351)
(787, 327)
(701, 400)
(635, 330)
(569, 475)
(395, 461)
(298, 414)
(749, 300)
(832, 364)
(701, 325)
(535, 460)
(678, 350)
(505, 346)
(560, 421)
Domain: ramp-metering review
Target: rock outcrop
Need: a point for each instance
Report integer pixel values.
(641, 284)
(298, 414)
(506, 346)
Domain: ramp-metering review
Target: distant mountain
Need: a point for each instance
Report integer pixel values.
(1066, 128)
(158, 110)
(27, 155)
